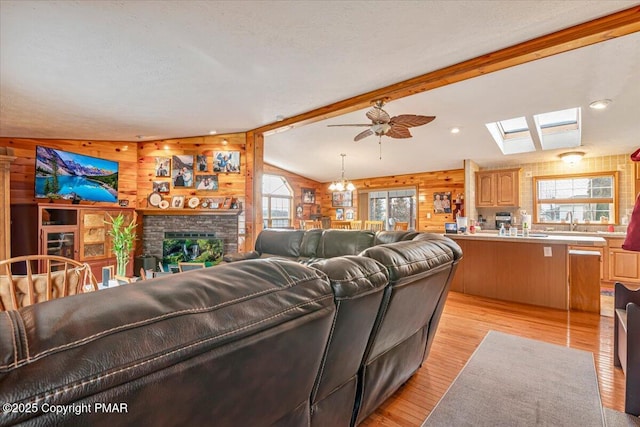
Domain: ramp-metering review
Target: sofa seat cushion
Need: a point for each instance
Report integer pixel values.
(335, 243)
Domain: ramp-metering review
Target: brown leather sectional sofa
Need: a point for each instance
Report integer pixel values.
(267, 341)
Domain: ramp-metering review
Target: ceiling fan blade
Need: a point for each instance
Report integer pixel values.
(398, 131)
(359, 124)
(411, 120)
(363, 134)
(378, 115)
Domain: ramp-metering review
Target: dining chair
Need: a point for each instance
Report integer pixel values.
(57, 277)
(310, 225)
(341, 225)
(400, 226)
(356, 225)
(374, 225)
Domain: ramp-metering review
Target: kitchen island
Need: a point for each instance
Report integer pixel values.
(530, 270)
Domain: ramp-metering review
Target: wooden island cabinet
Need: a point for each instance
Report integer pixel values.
(73, 231)
(529, 270)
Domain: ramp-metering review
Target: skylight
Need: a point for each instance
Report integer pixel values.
(512, 135)
(559, 129)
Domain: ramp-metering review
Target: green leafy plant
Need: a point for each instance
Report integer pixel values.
(122, 236)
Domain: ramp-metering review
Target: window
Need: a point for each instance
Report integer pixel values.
(559, 129)
(277, 202)
(393, 206)
(585, 198)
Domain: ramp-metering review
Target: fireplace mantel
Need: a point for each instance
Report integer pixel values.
(186, 211)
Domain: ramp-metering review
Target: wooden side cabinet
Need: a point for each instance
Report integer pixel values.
(624, 266)
(498, 188)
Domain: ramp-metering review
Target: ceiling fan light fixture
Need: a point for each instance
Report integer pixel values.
(572, 157)
(601, 104)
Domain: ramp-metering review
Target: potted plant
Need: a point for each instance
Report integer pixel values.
(122, 237)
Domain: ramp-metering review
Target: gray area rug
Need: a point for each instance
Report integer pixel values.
(514, 381)
(620, 419)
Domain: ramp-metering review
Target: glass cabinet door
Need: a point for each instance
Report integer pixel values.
(60, 241)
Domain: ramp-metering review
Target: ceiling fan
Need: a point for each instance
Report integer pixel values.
(384, 125)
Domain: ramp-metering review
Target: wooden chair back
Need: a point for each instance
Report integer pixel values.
(309, 225)
(356, 225)
(60, 277)
(374, 225)
(401, 226)
(341, 225)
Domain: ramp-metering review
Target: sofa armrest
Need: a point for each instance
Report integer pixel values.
(241, 256)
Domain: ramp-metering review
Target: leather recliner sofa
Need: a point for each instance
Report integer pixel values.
(258, 342)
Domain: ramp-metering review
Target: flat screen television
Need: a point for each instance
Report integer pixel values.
(60, 174)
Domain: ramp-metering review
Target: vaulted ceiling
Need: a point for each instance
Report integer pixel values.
(130, 71)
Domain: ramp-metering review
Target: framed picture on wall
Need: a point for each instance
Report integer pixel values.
(349, 214)
(339, 214)
(201, 161)
(162, 166)
(442, 202)
(207, 182)
(341, 199)
(308, 196)
(182, 171)
(161, 186)
(226, 161)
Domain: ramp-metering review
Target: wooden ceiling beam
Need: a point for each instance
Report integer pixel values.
(581, 35)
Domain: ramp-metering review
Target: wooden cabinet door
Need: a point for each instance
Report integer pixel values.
(507, 188)
(623, 265)
(596, 249)
(485, 189)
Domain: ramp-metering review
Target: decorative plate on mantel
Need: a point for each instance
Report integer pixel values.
(164, 204)
(154, 199)
(193, 202)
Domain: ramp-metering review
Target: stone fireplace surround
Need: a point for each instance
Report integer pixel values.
(155, 226)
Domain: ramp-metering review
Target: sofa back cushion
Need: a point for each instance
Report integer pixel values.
(310, 241)
(335, 243)
(285, 243)
(383, 237)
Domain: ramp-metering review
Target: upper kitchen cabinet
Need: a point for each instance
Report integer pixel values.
(498, 188)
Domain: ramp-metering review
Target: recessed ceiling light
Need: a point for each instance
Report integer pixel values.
(455, 130)
(600, 104)
(166, 147)
(213, 132)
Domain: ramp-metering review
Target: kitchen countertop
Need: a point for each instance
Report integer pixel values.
(538, 237)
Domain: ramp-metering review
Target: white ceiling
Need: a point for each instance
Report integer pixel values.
(114, 70)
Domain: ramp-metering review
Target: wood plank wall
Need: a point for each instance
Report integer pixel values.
(229, 184)
(427, 183)
(297, 183)
(23, 168)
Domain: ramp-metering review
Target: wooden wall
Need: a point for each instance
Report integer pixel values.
(23, 168)
(426, 184)
(229, 184)
(297, 183)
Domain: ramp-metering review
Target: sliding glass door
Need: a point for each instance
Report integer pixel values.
(393, 206)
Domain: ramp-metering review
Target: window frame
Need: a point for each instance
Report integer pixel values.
(268, 220)
(614, 200)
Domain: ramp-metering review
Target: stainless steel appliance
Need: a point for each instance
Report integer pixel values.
(503, 218)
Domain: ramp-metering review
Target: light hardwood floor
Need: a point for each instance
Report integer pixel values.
(465, 322)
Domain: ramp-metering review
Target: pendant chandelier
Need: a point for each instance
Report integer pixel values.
(342, 184)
